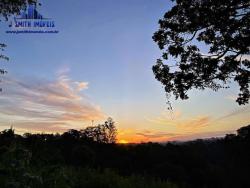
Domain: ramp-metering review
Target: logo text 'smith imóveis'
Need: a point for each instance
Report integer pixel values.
(31, 21)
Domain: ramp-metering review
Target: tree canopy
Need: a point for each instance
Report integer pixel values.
(11, 7)
(209, 43)
(103, 133)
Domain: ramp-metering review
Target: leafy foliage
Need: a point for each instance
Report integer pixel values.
(220, 26)
(11, 7)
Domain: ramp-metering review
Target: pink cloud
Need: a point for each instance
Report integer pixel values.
(49, 102)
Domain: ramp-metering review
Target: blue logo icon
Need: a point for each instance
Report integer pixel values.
(32, 13)
(31, 21)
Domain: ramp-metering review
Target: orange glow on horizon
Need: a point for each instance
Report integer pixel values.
(123, 142)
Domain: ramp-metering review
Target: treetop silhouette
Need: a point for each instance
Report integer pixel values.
(223, 28)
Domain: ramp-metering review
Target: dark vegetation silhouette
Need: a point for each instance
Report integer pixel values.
(84, 159)
(12, 7)
(223, 28)
(74, 159)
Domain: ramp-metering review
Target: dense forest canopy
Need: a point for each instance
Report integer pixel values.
(223, 27)
(76, 160)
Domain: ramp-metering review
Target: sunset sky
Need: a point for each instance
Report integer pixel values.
(99, 65)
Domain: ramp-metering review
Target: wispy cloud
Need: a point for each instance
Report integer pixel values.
(241, 111)
(48, 105)
(176, 120)
(156, 135)
(137, 136)
(165, 136)
(81, 85)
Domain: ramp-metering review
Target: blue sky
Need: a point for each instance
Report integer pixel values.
(107, 46)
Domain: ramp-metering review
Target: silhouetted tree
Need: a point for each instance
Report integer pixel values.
(92, 133)
(221, 27)
(11, 7)
(110, 131)
(103, 133)
(244, 132)
(72, 133)
(7, 136)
